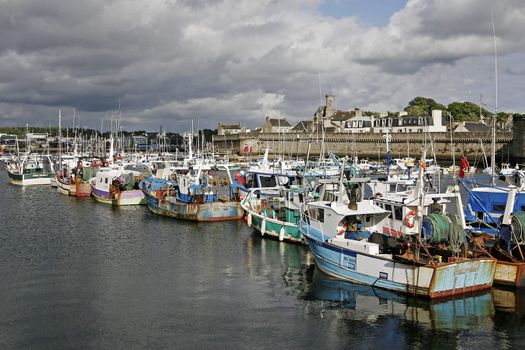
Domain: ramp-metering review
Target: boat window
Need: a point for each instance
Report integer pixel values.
(329, 197)
(300, 197)
(388, 207)
(392, 188)
(317, 214)
(498, 208)
(106, 180)
(267, 181)
(398, 213)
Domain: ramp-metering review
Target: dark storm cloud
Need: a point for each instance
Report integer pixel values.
(168, 62)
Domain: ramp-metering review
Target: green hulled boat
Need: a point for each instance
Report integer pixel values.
(30, 169)
(275, 212)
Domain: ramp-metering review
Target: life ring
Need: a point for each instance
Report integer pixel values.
(422, 164)
(410, 219)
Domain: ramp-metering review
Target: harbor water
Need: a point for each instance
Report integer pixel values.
(76, 274)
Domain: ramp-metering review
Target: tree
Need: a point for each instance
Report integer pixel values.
(208, 133)
(462, 111)
(416, 110)
(423, 106)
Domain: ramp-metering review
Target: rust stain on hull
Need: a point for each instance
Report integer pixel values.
(489, 272)
(459, 291)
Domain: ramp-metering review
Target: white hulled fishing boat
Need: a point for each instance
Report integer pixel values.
(345, 238)
(30, 169)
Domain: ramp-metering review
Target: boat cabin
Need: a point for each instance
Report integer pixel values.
(487, 204)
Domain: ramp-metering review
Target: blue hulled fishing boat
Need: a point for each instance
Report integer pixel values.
(196, 197)
(344, 237)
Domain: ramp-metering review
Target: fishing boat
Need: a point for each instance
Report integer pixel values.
(507, 170)
(195, 197)
(496, 216)
(275, 212)
(118, 187)
(30, 169)
(344, 237)
(66, 164)
(74, 181)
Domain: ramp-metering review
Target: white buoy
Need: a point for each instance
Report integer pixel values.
(249, 221)
(281, 233)
(263, 227)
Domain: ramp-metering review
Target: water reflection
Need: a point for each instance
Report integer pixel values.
(368, 304)
(79, 274)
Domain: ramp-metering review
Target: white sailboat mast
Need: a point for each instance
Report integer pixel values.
(190, 141)
(493, 155)
(60, 137)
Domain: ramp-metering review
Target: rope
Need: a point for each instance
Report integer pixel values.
(518, 226)
(445, 228)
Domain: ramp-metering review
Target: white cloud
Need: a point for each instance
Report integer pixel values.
(171, 61)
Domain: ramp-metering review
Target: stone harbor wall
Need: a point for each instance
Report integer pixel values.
(372, 146)
(518, 140)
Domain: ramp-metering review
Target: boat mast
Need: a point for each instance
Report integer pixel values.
(111, 141)
(388, 137)
(60, 138)
(493, 155)
(190, 141)
(452, 148)
(75, 129)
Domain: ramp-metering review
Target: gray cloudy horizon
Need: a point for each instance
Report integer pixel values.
(170, 62)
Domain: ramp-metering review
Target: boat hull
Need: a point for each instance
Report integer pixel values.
(431, 281)
(30, 179)
(272, 229)
(62, 187)
(510, 273)
(130, 197)
(213, 211)
(83, 189)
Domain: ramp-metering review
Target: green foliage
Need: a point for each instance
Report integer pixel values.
(503, 117)
(370, 114)
(420, 106)
(208, 133)
(467, 111)
(416, 110)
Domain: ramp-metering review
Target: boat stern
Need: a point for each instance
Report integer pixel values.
(460, 277)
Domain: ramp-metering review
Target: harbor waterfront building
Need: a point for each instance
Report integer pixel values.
(229, 129)
(355, 132)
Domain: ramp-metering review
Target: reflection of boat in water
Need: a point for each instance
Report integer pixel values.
(367, 302)
(509, 300)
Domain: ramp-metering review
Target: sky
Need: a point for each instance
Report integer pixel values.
(168, 62)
